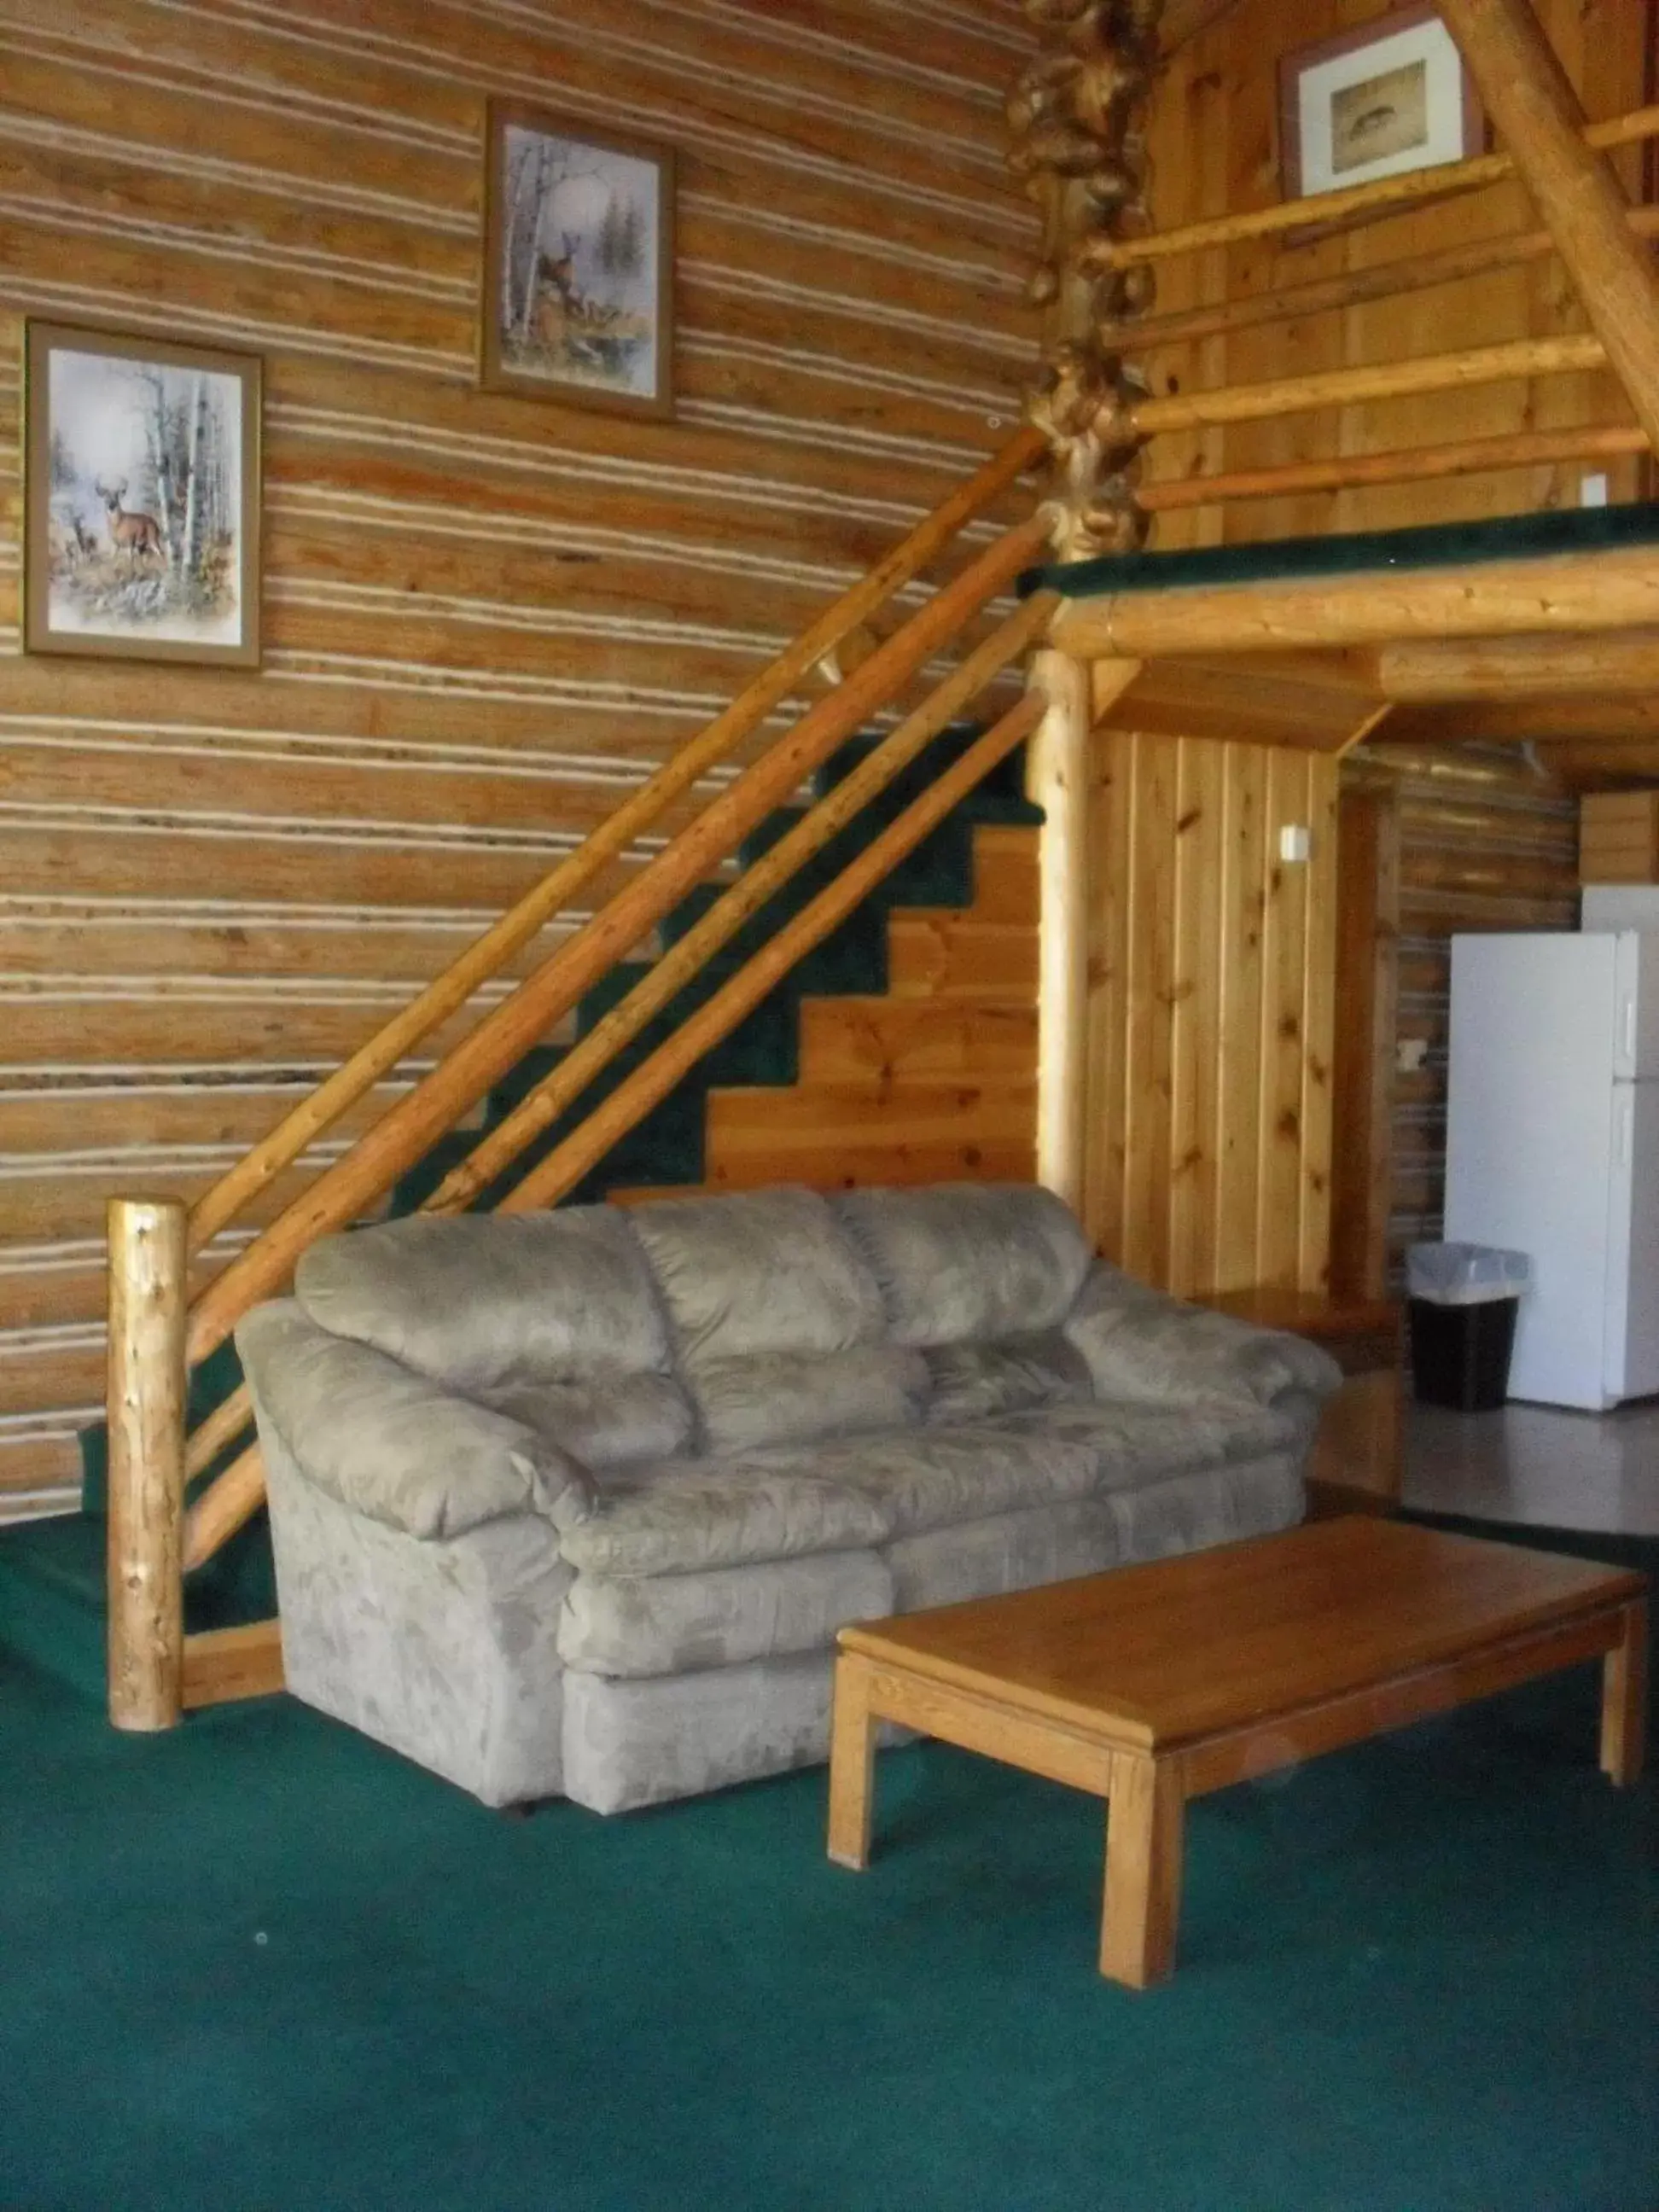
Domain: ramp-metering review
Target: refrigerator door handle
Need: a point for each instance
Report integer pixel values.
(1622, 1133)
(1629, 1030)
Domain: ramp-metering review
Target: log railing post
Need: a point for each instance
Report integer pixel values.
(147, 1278)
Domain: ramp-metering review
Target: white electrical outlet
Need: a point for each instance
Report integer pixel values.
(1593, 490)
(1295, 840)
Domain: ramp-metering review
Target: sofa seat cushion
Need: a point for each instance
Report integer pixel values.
(1010, 1375)
(789, 1501)
(794, 1397)
(635, 1625)
(493, 1301)
(1130, 1444)
(684, 1516)
(758, 1271)
(1006, 1552)
(968, 1262)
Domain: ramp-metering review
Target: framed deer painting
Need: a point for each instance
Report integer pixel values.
(141, 533)
(578, 263)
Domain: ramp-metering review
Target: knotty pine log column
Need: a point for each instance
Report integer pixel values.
(1537, 112)
(1075, 117)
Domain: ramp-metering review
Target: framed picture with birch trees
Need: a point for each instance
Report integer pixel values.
(578, 263)
(141, 521)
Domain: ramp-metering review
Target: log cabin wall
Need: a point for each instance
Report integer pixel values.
(486, 617)
(1209, 1110)
(1484, 841)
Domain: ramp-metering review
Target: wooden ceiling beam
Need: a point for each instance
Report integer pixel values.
(1570, 592)
(1433, 671)
(1632, 722)
(1537, 114)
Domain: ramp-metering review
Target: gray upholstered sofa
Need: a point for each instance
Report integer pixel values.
(574, 1501)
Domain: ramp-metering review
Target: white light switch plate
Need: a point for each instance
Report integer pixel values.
(1295, 840)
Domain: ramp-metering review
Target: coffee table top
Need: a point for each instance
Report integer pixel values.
(1177, 1649)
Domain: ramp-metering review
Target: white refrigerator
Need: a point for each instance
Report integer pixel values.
(1553, 1149)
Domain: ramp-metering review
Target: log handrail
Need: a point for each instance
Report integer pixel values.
(1514, 358)
(1102, 254)
(1512, 449)
(1352, 287)
(234, 1495)
(447, 992)
(481, 1058)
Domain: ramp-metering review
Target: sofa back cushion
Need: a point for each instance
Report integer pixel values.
(1007, 1375)
(489, 1302)
(797, 1397)
(611, 1420)
(761, 1271)
(968, 1262)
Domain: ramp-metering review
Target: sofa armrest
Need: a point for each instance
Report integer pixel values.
(1142, 1345)
(392, 1444)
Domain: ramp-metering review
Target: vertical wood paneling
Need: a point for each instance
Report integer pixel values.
(1222, 1027)
(1112, 814)
(488, 617)
(1214, 139)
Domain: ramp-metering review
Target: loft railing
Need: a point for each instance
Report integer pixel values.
(157, 1334)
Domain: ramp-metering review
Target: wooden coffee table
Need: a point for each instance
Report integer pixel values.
(1153, 1684)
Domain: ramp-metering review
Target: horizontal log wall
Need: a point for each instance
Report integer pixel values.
(1486, 842)
(487, 617)
(1211, 968)
(1215, 151)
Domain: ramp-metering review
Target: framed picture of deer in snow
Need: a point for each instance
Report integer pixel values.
(578, 263)
(141, 535)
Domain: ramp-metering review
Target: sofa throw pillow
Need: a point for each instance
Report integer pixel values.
(759, 1271)
(612, 1421)
(492, 1301)
(968, 1262)
(976, 1381)
(394, 1444)
(791, 1397)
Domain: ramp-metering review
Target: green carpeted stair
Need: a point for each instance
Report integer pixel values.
(52, 1573)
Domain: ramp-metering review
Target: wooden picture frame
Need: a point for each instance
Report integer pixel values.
(578, 263)
(141, 502)
(1394, 96)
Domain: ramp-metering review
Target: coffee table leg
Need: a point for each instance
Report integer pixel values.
(1145, 1817)
(852, 1763)
(1625, 1698)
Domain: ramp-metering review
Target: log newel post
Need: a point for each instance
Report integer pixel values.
(147, 1300)
(1074, 118)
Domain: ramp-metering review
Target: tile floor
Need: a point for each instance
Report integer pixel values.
(1539, 1464)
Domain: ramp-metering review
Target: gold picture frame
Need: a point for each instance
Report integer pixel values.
(1394, 96)
(142, 497)
(578, 263)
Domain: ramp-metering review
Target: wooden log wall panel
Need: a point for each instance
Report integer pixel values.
(1211, 1017)
(1487, 841)
(488, 618)
(1213, 137)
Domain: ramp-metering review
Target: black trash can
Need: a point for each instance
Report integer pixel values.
(1462, 1305)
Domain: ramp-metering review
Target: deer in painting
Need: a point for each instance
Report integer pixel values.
(130, 532)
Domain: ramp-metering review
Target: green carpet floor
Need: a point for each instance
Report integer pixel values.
(260, 1964)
